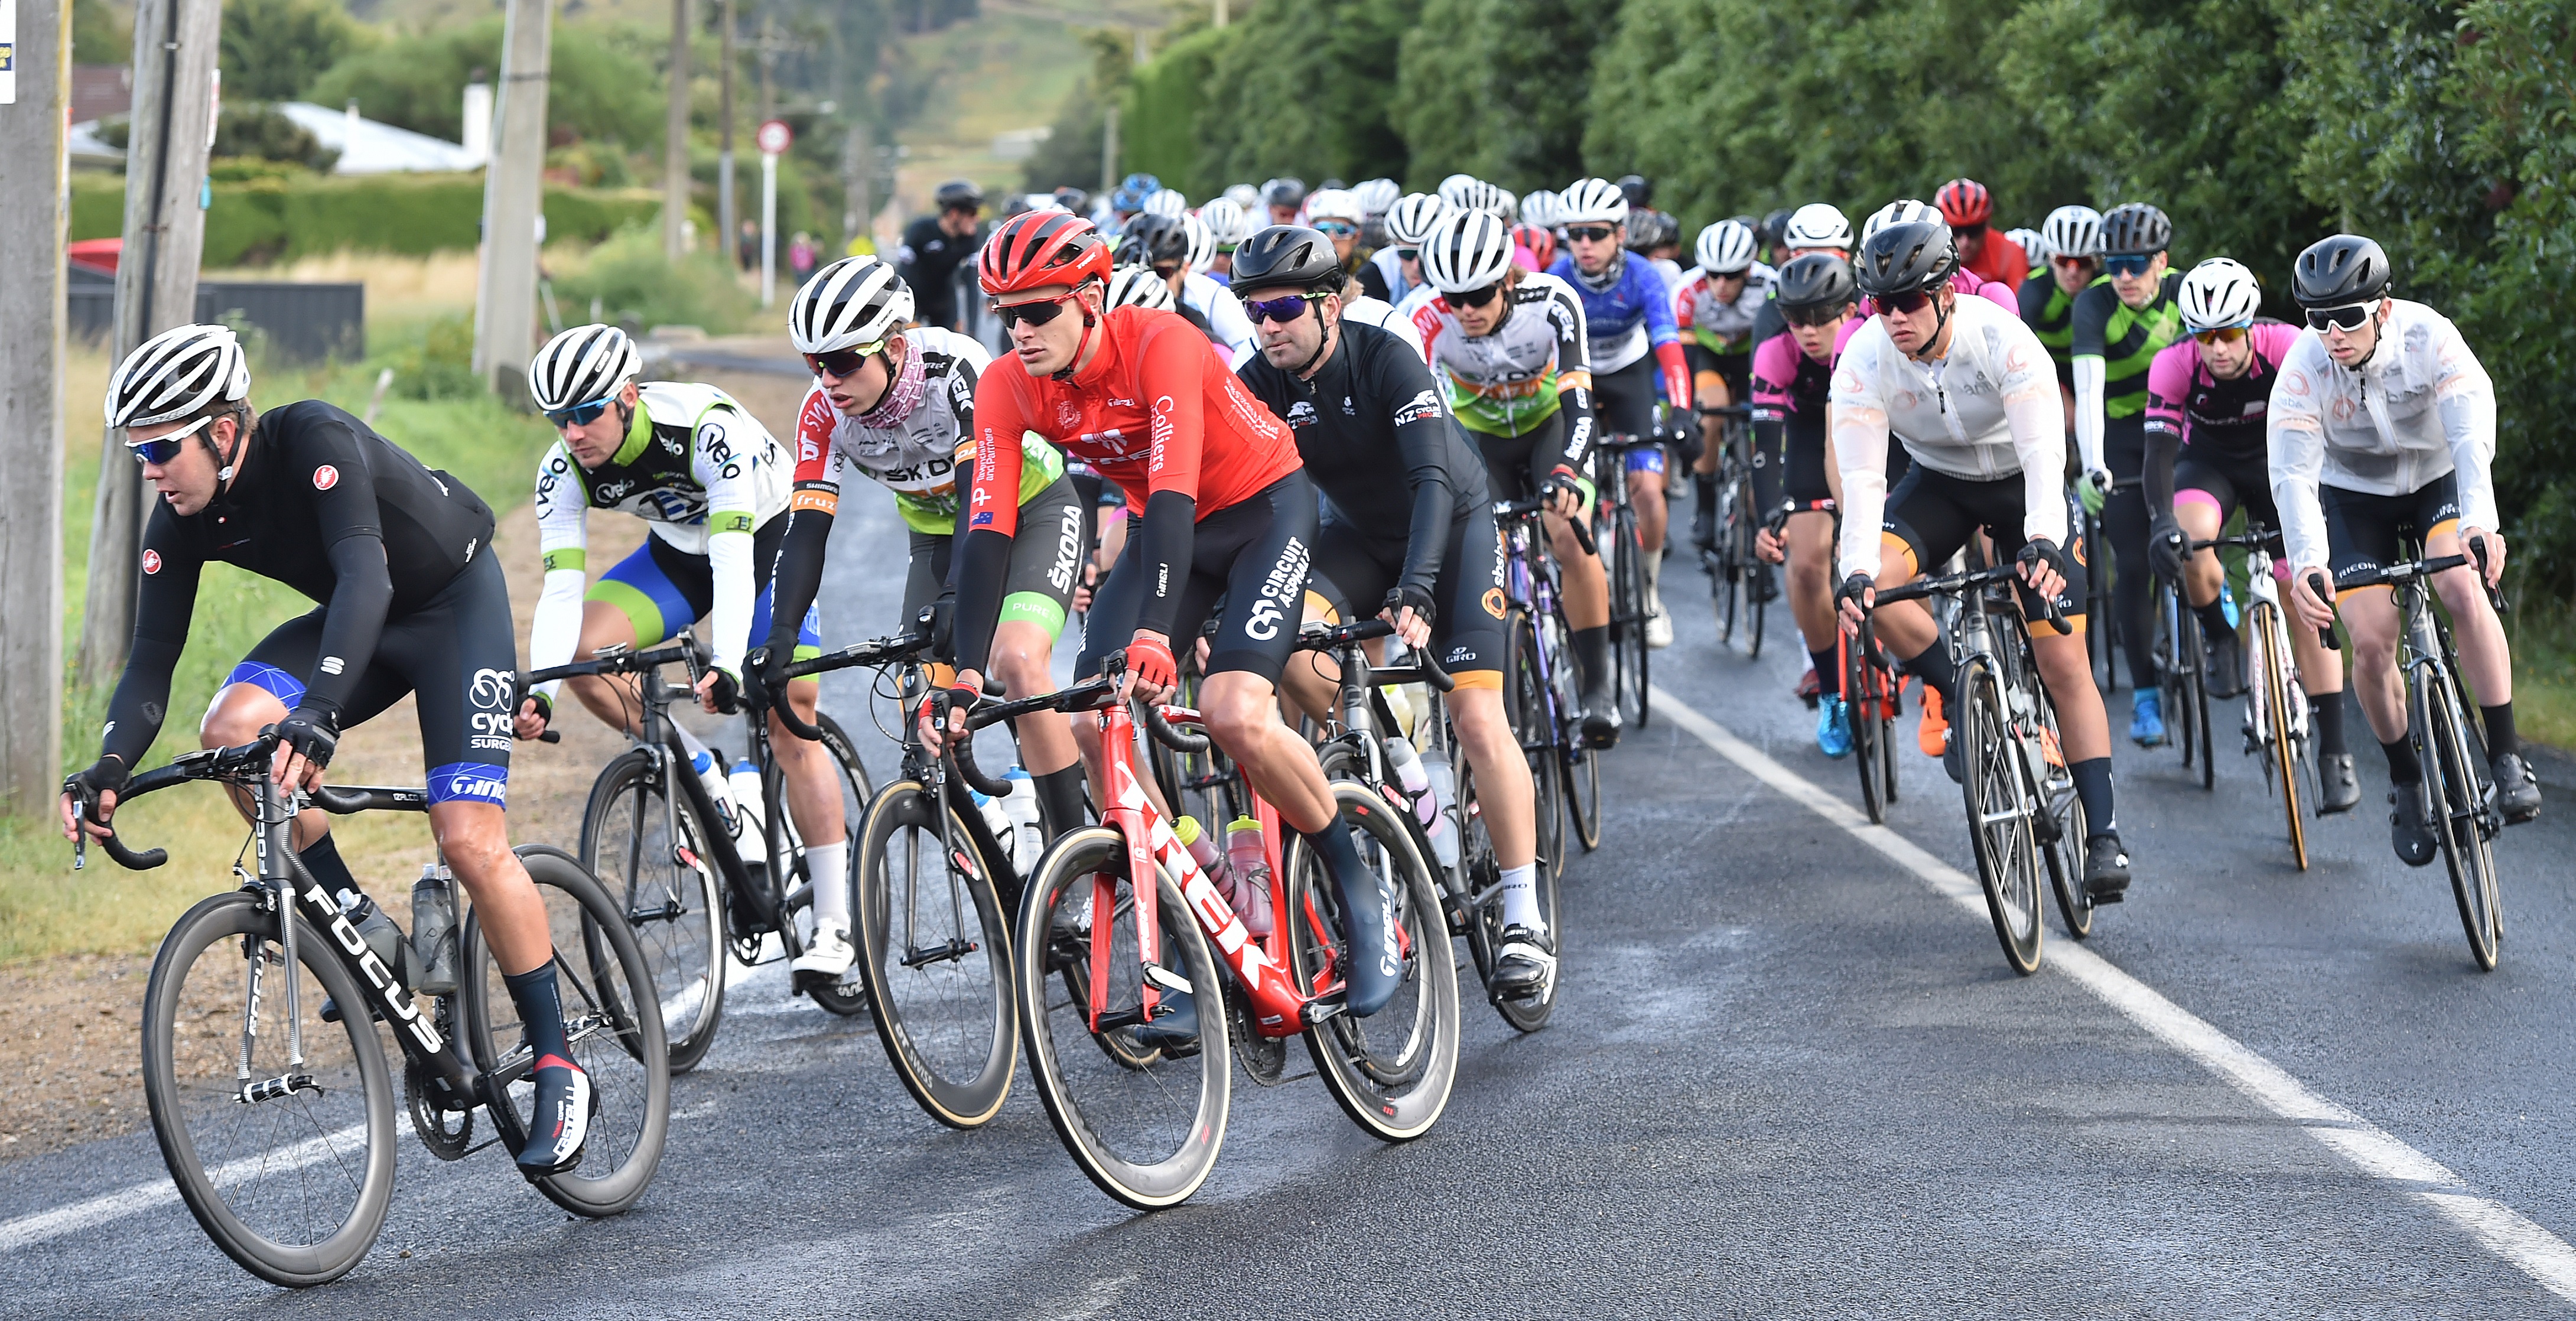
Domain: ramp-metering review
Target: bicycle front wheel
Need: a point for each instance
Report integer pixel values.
(935, 958)
(2277, 716)
(648, 846)
(2461, 818)
(1531, 704)
(1999, 816)
(1865, 709)
(293, 1186)
(1143, 1124)
(612, 1022)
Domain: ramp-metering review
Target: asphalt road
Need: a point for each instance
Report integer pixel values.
(1788, 1077)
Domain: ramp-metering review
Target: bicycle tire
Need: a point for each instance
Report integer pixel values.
(1535, 722)
(957, 1067)
(615, 1034)
(2201, 727)
(1395, 1091)
(316, 1127)
(1159, 1180)
(1622, 556)
(2066, 863)
(2101, 651)
(1583, 794)
(678, 910)
(1638, 681)
(1484, 922)
(1866, 714)
(2460, 818)
(1998, 824)
(848, 997)
(1755, 572)
(2276, 718)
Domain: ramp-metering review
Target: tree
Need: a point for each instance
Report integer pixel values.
(272, 50)
(99, 35)
(1500, 89)
(418, 83)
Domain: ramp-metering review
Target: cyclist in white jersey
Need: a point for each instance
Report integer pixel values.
(1395, 271)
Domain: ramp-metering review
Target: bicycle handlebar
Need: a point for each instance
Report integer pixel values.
(1538, 505)
(244, 763)
(624, 662)
(1425, 669)
(1972, 579)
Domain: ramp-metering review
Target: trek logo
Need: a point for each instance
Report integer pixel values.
(325, 477)
(391, 992)
(152, 561)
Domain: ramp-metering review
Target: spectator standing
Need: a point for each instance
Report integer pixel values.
(933, 245)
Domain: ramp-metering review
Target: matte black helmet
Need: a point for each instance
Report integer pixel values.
(2134, 228)
(1819, 279)
(1636, 188)
(1288, 191)
(1151, 239)
(1772, 229)
(1286, 257)
(1907, 258)
(2340, 271)
(959, 193)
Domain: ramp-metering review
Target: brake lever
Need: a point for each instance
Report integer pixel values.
(2325, 632)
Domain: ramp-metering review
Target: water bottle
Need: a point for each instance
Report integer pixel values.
(433, 930)
(2227, 601)
(711, 777)
(1444, 799)
(749, 814)
(1400, 703)
(1249, 862)
(1210, 859)
(380, 933)
(1416, 781)
(997, 821)
(1021, 806)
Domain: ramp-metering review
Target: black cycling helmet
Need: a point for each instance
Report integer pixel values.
(1286, 257)
(1636, 188)
(1819, 279)
(2134, 228)
(1289, 191)
(1907, 258)
(1071, 199)
(1150, 240)
(960, 193)
(2339, 272)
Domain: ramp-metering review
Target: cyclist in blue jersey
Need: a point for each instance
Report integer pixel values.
(1635, 344)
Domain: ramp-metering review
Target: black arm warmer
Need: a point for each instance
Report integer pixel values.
(352, 621)
(797, 574)
(982, 569)
(2162, 446)
(1163, 556)
(1575, 403)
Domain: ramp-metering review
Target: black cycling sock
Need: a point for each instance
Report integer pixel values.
(2500, 736)
(540, 1005)
(2325, 714)
(2093, 789)
(1592, 652)
(321, 858)
(2403, 768)
(1829, 671)
(1936, 668)
(1060, 799)
(2213, 619)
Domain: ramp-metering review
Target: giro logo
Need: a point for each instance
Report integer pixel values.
(152, 561)
(325, 477)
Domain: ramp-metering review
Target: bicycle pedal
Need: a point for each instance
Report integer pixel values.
(1329, 1004)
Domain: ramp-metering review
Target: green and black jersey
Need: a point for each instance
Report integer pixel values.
(2050, 313)
(2127, 340)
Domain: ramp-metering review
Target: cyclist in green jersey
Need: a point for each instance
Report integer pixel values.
(2073, 236)
(2120, 325)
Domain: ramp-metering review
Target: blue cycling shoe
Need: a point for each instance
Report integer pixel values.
(1833, 726)
(2147, 719)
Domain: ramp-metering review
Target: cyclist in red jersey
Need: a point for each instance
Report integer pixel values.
(1143, 397)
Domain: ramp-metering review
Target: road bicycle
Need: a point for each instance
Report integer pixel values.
(933, 895)
(2024, 817)
(1873, 693)
(2276, 702)
(1118, 920)
(696, 885)
(2102, 629)
(2184, 679)
(1738, 578)
(2442, 723)
(278, 1126)
(1623, 551)
(1541, 694)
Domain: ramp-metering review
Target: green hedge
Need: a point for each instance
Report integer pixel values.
(258, 220)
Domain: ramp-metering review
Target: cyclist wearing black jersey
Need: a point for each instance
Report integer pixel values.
(1408, 528)
(410, 601)
(2073, 237)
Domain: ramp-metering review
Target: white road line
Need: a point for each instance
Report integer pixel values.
(2374, 1151)
(27, 1231)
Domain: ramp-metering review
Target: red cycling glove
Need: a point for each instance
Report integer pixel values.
(1150, 660)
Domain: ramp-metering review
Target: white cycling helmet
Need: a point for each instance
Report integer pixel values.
(2217, 293)
(1541, 207)
(1593, 202)
(1334, 204)
(1497, 200)
(1413, 218)
(2033, 245)
(584, 365)
(1725, 248)
(175, 373)
(1139, 286)
(2073, 231)
(1376, 195)
(1902, 211)
(1817, 225)
(1456, 189)
(1467, 250)
(1166, 202)
(853, 302)
(1202, 243)
(1226, 223)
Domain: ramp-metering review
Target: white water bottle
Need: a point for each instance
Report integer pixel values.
(1021, 806)
(749, 813)
(711, 776)
(1444, 797)
(1416, 782)
(997, 821)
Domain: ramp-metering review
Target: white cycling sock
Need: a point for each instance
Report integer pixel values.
(830, 866)
(1520, 899)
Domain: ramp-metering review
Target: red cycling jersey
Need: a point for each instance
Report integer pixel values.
(1157, 410)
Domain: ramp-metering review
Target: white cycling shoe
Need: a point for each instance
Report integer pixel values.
(827, 958)
(560, 1118)
(1659, 628)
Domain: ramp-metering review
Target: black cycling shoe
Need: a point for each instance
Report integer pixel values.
(2338, 789)
(1525, 965)
(1376, 969)
(1600, 717)
(2410, 825)
(2106, 870)
(2517, 789)
(1766, 583)
(564, 1105)
(2226, 667)
(1176, 1034)
(1704, 527)
(1951, 761)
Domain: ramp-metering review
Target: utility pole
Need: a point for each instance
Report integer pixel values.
(34, 97)
(1220, 13)
(156, 282)
(858, 174)
(1109, 149)
(505, 293)
(726, 220)
(675, 141)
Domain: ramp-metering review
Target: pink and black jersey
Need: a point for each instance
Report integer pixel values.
(2210, 419)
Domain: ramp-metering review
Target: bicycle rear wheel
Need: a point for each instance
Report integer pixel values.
(935, 958)
(1534, 718)
(848, 996)
(2066, 859)
(1999, 817)
(1484, 920)
(673, 898)
(612, 1021)
(1621, 556)
(2461, 817)
(1143, 1124)
(1869, 728)
(294, 1187)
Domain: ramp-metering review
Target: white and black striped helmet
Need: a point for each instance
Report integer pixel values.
(175, 374)
(2073, 231)
(2033, 244)
(1139, 286)
(1167, 202)
(2219, 293)
(1467, 250)
(1414, 217)
(1593, 202)
(1541, 207)
(1902, 211)
(1202, 242)
(583, 364)
(1457, 188)
(1226, 222)
(1376, 195)
(852, 302)
(1725, 248)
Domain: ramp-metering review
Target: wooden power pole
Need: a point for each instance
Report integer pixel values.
(675, 141)
(727, 221)
(33, 100)
(156, 281)
(505, 295)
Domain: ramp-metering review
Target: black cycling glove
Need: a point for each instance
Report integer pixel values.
(2041, 550)
(2165, 548)
(727, 693)
(1855, 588)
(767, 666)
(104, 776)
(311, 733)
(1403, 596)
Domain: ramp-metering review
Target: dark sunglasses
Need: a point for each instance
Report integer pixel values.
(155, 452)
(1408, 254)
(1907, 303)
(579, 415)
(1590, 233)
(2073, 261)
(840, 364)
(1036, 312)
(2222, 335)
(2133, 264)
(1815, 316)
(1473, 297)
(1283, 309)
(1965, 231)
(2348, 317)
(1340, 229)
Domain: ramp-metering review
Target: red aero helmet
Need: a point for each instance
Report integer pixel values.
(1040, 248)
(1964, 202)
